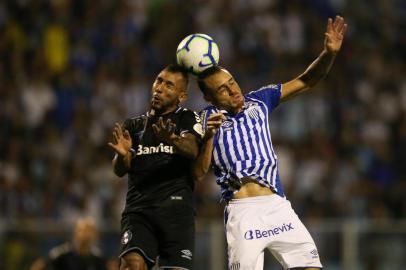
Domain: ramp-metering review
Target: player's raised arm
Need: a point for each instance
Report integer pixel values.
(202, 164)
(122, 144)
(320, 67)
(185, 144)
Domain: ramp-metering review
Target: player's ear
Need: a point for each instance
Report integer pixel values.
(182, 97)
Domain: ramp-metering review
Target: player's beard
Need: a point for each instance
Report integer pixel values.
(156, 104)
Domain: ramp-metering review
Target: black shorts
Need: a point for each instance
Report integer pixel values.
(167, 231)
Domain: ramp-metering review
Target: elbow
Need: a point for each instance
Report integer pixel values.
(199, 174)
(198, 177)
(194, 154)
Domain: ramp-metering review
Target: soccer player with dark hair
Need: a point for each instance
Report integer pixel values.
(237, 143)
(156, 151)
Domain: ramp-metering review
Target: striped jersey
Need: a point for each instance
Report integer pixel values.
(243, 146)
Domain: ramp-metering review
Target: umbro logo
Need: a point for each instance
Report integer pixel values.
(126, 237)
(187, 254)
(227, 124)
(314, 253)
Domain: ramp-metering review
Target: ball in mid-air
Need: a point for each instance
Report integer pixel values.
(197, 52)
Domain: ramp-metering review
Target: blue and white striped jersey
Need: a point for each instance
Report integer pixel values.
(243, 146)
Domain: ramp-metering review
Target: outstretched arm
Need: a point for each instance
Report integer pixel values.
(321, 66)
(202, 163)
(122, 143)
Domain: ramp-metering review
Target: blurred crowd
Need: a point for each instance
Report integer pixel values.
(70, 69)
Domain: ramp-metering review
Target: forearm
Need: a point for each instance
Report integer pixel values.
(186, 146)
(203, 161)
(318, 69)
(122, 164)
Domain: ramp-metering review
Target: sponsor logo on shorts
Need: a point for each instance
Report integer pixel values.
(126, 237)
(187, 254)
(257, 234)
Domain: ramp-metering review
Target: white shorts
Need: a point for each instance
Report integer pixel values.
(255, 223)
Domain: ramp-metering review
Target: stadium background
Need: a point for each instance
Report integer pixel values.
(70, 69)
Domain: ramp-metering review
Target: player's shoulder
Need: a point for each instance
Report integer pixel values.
(207, 111)
(184, 111)
(60, 250)
(134, 119)
(134, 122)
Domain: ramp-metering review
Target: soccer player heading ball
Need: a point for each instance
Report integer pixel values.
(237, 144)
(156, 150)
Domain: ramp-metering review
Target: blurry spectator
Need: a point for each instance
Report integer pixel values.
(38, 99)
(80, 254)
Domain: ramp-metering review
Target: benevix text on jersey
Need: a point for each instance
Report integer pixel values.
(161, 148)
(257, 234)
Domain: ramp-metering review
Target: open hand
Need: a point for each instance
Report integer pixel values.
(334, 34)
(165, 131)
(122, 141)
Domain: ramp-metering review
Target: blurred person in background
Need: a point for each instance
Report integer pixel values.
(156, 151)
(79, 254)
(237, 143)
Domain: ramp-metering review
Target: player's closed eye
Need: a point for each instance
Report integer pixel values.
(222, 90)
(170, 85)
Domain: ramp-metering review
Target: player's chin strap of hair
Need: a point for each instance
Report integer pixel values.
(151, 113)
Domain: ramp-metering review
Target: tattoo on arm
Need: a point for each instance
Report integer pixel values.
(318, 69)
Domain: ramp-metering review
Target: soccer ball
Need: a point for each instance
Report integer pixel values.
(197, 52)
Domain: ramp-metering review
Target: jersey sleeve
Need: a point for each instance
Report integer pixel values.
(269, 94)
(134, 126)
(191, 123)
(129, 124)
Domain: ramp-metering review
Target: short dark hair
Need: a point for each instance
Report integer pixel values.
(175, 68)
(205, 74)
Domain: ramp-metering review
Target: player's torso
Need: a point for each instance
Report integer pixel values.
(244, 139)
(157, 169)
(154, 157)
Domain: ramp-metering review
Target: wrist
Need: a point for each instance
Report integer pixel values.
(130, 153)
(208, 136)
(173, 140)
(329, 52)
